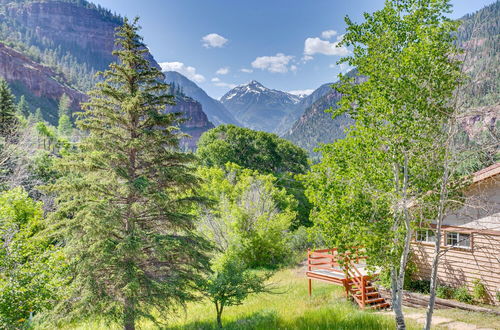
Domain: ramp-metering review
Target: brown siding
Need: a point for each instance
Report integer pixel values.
(459, 267)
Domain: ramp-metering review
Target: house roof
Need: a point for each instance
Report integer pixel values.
(486, 173)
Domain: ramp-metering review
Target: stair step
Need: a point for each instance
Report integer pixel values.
(367, 288)
(374, 300)
(373, 293)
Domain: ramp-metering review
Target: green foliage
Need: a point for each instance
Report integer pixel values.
(445, 292)
(231, 283)
(31, 267)
(261, 151)
(64, 106)
(251, 215)
(462, 294)
(38, 115)
(422, 286)
(7, 110)
(65, 127)
(392, 153)
(124, 199)
(497, 294)
(43, 167)
(479, 291)
(23, 107)
(318, 128)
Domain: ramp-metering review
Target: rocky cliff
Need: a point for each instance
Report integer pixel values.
(44, 84)
(196, 120)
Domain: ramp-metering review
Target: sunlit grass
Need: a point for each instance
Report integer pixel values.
(291, 308)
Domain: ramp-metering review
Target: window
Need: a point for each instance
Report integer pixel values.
(428, 236)
(458, 239)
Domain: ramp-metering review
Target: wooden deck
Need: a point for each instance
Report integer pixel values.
(349, 271)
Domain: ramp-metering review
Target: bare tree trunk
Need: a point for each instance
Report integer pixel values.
(129, 315)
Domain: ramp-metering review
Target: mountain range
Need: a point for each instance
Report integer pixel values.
(215, 110)
(54, 47)
(258, 107)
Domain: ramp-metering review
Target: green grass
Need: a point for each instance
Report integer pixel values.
(290, 309)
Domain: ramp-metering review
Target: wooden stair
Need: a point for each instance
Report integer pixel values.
(324, 265)
(372, 298)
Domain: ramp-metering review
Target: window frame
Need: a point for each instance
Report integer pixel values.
(458, 240)
(426, 240)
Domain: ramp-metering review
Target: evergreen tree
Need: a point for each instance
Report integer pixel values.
(125, 200)
(7, 110)
(64, 127)
(38, 115)
(23, 107)
(64, 105)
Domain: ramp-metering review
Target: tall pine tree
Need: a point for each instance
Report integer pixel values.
(64, 105)
(7, 110)
(123, 205)
(23, 108)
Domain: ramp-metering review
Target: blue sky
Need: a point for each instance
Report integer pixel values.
(284, 44)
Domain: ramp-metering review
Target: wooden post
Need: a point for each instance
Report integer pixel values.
(363, 291)
(309, 269)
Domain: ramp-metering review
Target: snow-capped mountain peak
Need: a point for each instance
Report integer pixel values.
(257, 106)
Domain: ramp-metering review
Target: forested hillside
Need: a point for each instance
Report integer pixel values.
(68, 40)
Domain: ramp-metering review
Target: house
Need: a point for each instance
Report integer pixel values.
(470, 241)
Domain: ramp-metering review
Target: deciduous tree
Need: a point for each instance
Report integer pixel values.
(366, 184)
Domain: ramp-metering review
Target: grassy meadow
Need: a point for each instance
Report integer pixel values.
(290, 308)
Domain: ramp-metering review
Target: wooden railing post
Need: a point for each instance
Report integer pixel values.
(363, 291)
(309, 269)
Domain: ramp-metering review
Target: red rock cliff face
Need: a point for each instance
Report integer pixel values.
(84, 30)
(69, 24)
(40, 80)
(196, 120)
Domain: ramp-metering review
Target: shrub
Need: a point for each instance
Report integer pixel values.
(252, 216)
(445, 292)
(462, 294)
(421, 286)
(498, 295)
(479, 291)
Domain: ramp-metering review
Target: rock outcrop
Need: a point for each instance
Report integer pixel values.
(196, 121)
(40, 80)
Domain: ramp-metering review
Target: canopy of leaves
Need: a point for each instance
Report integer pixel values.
(31, 268)
(251, 216)
(261, 151)
(394, 153)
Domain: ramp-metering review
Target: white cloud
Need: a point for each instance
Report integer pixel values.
(188, 71)
(299, 92)
(306, 58)
(246, 70)
(223, 84)
(217, 82)
(317, 46)
(328, 34)
(276, 64)
(340, 37)
(293, 68)
(222, 71)
(213, 40)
